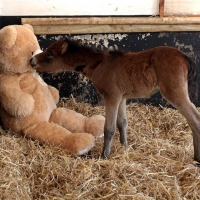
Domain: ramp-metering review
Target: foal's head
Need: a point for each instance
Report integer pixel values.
(51, 59)
(59, 56)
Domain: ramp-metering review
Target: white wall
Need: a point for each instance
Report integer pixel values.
(78, 7)
(182, 7)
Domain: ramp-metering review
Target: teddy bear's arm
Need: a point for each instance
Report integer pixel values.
(55, 93)
(16, 102)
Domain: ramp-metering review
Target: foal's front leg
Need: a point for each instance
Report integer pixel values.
(111, 107)
(196, 143)
(122, 122)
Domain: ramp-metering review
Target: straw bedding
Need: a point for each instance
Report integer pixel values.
(158, 163)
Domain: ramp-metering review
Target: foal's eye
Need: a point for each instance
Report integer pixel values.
(49, 54)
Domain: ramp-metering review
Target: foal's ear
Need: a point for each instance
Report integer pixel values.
(64, 47)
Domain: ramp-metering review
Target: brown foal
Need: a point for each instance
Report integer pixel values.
(121, 75)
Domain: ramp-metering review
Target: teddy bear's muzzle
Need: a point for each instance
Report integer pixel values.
(36, 52)
(33, 62)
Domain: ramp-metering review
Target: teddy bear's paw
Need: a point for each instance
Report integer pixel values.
(81, 143)
(101, 135)
(84, 151)
(95, 125)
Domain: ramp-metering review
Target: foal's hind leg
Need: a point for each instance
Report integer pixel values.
(180, 100)
(122, 122)
(193, 118)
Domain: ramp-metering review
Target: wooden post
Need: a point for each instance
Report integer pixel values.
(161, 8)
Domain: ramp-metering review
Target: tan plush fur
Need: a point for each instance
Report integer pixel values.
(28, 104)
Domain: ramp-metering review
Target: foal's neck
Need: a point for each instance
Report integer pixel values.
(87, 62)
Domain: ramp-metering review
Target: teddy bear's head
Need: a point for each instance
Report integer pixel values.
(17, 44)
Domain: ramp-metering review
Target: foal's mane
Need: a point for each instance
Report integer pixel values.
(75, 45)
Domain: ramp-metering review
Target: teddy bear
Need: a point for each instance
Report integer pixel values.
(28, 106)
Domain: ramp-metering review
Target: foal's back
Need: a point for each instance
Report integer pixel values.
(137, 75)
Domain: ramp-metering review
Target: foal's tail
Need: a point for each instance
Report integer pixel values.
(192, 79)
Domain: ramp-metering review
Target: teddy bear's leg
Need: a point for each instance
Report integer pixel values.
(76, 122)
(55, 135)
(69, 119)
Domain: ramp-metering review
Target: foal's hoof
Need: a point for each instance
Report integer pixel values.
(196, 163)
(104, 155)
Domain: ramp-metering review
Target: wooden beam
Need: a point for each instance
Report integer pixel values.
(112, 24)
(162, 8)
(111, 20)
(84, 29)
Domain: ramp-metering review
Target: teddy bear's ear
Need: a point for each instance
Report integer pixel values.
(8, 36)
(29, 27)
